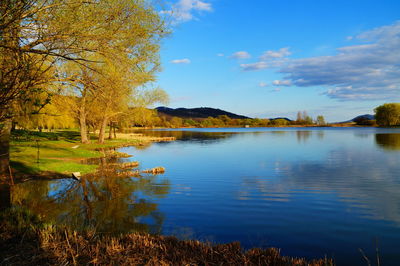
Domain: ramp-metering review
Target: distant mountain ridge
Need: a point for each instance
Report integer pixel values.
(201, 112)
(284, 118)
(358, 118)
(364, 117)
(204, 112)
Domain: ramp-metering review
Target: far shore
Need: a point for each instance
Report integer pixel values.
(351, 124)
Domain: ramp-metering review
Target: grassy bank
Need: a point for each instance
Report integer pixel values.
(61, 153)
(26, 240)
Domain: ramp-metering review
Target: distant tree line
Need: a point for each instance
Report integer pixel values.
(57, 116)
(150, 118)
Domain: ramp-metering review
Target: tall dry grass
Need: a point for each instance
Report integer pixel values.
(41, 244)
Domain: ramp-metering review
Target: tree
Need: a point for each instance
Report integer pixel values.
(303, 118)
(280, 122)
(320, 120)
(39, 36)
(119, 71)
(190, 123)
(300, 118)
(307, 119)
(176, 122)
(51, 116)
(388, 114)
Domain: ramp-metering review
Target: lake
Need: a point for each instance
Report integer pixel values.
(312, 192)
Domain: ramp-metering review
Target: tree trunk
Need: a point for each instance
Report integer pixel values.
(13, 126)
(110, 133)
(102, 132)
(5, 132)
(83, 126)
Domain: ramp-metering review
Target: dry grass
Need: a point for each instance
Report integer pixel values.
(55, 246)
(141, 137)
(155, 170)
(129, 165)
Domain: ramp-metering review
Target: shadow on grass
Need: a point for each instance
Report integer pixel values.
(22, 168)
(26, 135)
(23, 172)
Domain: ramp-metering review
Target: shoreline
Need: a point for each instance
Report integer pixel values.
(25, 239)
(49, 156)
(272, 126)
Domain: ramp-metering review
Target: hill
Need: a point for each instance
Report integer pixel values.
(363, 117)
(201, 112)
(284, 118)
(366, 117)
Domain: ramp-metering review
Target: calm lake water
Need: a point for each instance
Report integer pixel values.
(311, 192)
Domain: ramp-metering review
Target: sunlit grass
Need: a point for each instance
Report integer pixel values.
(60, 152)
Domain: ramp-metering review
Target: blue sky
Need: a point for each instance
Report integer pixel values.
(266, 58)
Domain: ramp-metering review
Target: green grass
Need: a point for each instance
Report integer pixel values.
(56, 152)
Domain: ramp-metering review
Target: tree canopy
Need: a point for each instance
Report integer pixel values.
(99, 50)
(388, 114)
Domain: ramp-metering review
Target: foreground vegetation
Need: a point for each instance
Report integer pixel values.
(25, 239)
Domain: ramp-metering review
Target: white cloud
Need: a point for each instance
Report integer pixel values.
(262, 84)
(181, 61)
(220, 55)
(282, 83)
(269, 59)
(184, 10)
(270, 54)
(368, 71)
(241, 55)
(199, 5)
(254, 66)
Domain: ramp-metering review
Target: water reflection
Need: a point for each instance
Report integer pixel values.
(218, 135)
(320, 134)
(388, 141)
(278, 133)
(372, 191)
(303, 136)
(311, 192)
(105, 203)
(193, 136)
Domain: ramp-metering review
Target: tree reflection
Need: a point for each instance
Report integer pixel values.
(105, 203)
(187, 135)
(389, 141)
(303, 136)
